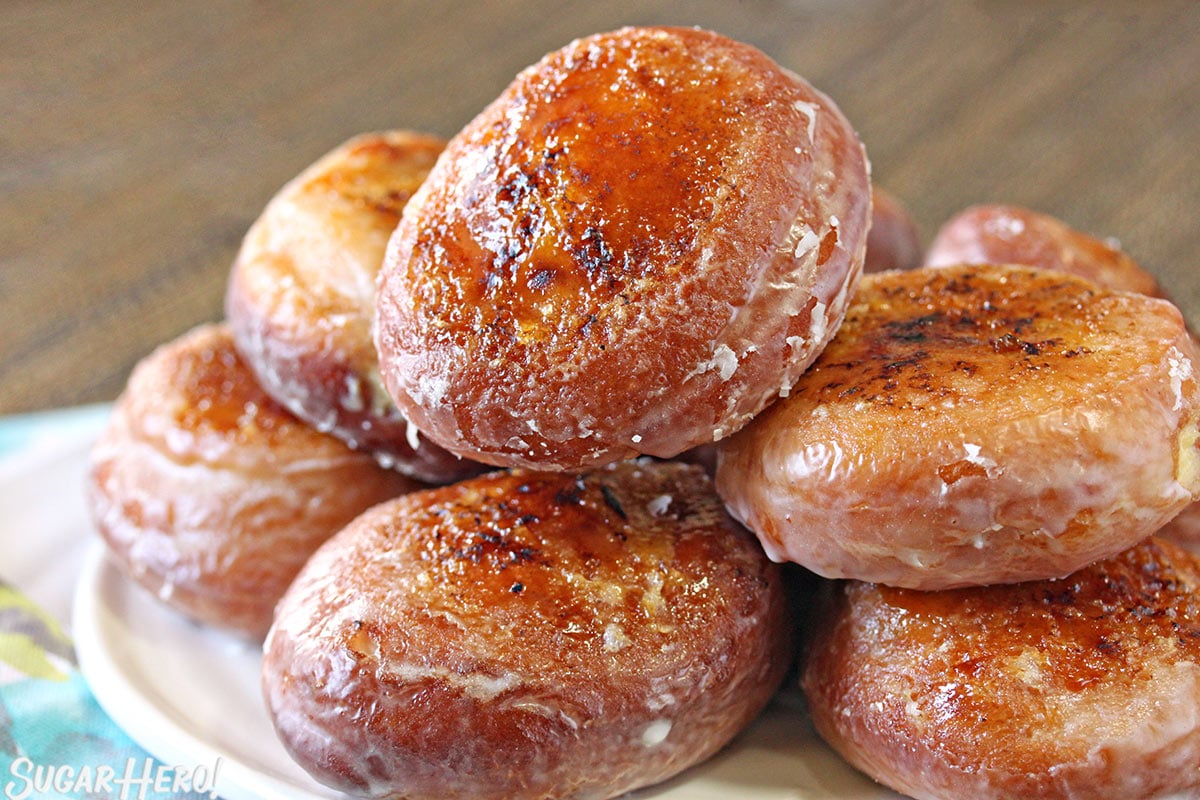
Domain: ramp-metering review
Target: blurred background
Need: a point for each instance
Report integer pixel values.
(139, 141)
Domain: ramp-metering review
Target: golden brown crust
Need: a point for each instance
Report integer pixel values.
(210, 494)
(894, 242)
(528, 635)
(1083, 687)
(972, 425)
(1005, 234)
(301, 296)
(632, 250)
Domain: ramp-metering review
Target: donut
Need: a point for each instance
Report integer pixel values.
(527, 635)
(633, 250)
(1007, 234)
(301, 297)
(210, 494)
(974, 425)
(893, 242)
(1018, 235)
(1087, 686)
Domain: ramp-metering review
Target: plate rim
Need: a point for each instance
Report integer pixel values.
(142, 720)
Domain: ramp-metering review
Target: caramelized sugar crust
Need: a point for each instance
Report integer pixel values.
(975, 425)
(1087, 686)
(301, 296)
(528, 635)
(1010, 234)
(645, 238)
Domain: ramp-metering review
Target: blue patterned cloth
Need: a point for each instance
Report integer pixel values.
(55, 740)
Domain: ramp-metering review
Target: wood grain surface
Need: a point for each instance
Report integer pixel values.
(139, 141)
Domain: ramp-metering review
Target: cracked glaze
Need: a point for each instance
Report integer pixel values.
(973, 425)
(211, 494)
(301, 296)
(528, 635)
(610, 258)
(1083, 687)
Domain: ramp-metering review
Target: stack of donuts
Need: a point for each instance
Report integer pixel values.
(503, 437)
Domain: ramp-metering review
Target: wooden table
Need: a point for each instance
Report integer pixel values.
(140, 141)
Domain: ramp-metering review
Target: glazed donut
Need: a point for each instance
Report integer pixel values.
(210, 494)
(975, 425)
(301, 297)
(893, 242)
(1006, 234)
(527, 635)
(643, 241)
(1018, 235)
(1086, 687)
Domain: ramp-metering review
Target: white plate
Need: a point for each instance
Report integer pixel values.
(190, 695)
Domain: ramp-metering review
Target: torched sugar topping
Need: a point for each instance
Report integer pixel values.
(500, 540)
